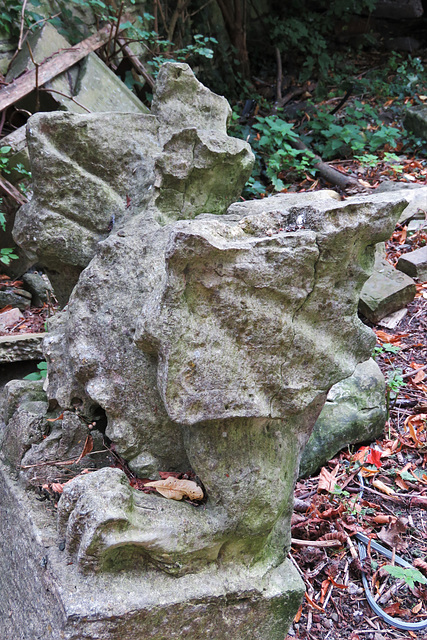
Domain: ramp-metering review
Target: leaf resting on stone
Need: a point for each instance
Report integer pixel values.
(175, 489)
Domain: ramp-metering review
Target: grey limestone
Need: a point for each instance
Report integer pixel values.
(414, 263)
(386, 291)
(204, 333)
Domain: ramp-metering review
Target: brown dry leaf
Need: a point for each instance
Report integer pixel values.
(393, 534)
(417, 607)
(384, 519)
(175, 489)
(327, 479)
(86, 449)
(297, 618)
(401, 483)
(419, 376)
(383, 487)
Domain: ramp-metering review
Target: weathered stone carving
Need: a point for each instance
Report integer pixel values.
(210, 342)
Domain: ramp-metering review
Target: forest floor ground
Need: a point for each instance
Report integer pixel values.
(390, 509)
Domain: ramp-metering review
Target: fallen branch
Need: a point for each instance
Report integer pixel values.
(413, 372)
(8, 188)
(327, 172)
(137, 64)
(316, 543)
(52, 67)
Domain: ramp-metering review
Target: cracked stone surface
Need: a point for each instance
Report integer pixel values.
(208, 333)
(180, 158)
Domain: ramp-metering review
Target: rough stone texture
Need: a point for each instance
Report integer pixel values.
(126, 163)
(416, 121)
(17, 347)
(40, 288)
(14, 297)
(355, 411)
(9, 318)
(62, 604)
(92, 85)
(414, 264)
(209, 338)
(386, 291)
(236, 325)
(414, 193)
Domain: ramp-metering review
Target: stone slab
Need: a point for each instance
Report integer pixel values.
(355, 411)
(26, 346)
(15, 298)
(91, 84)
(9, 318)
(391, 321)
(416, 121)
(61, 604)
(414, 264)
(386, 291)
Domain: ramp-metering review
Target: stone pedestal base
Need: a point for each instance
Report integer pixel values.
(43, 596)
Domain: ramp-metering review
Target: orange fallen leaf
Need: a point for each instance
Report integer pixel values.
(401, 483)
(298, 616)
(383, 487)
(327, 480)
(312, 603)
(175, 489)
(324, 590)
(384, 519)
(417, 607)
(55, 419)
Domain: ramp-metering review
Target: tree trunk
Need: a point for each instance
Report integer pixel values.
(234, 16)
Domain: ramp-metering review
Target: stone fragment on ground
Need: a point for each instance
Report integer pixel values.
(9, 318)
(15, 297)
(391, 321)
(415, 194)
(355, 411)
(40, 288)
(414, 264)
(416, 120)
(386, 291)
(24, 346)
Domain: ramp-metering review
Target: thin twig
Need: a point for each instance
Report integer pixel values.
(36, 64)
(413, 372)
(21, 28)
(279, 77)
(116, 34)
(316, 543)
(68, 97)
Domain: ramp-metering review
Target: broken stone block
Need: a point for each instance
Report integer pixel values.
(386, 291)
(90, 85)
(216, 357)
(416, 120)
(15, 298)
(40, 288)
(26, 346)
(143, 603)
(355, 411)
(414, 264)
(9, 318)
(414, 193)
